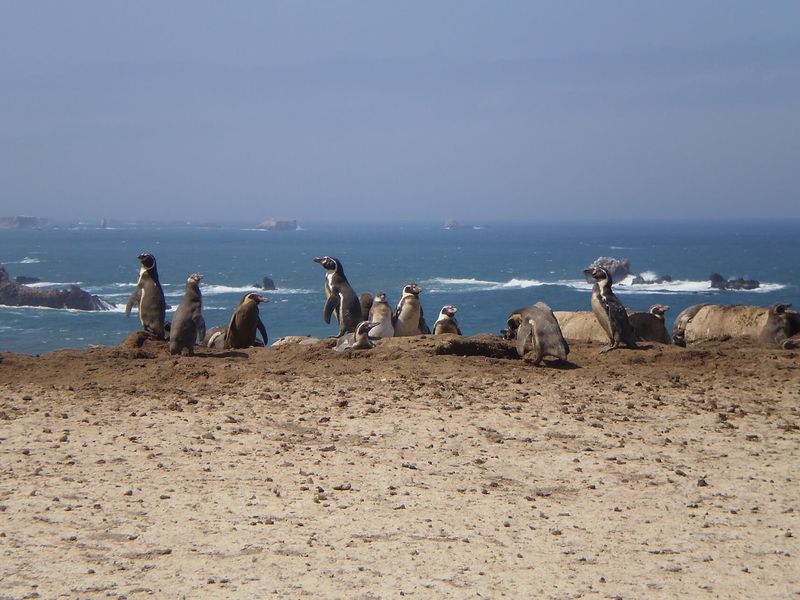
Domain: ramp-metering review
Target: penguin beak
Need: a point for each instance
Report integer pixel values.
(319, 259)
(262, 299)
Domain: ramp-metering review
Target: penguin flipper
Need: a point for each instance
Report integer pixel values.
(230, 331)
(524, 332)
(330, 305)
(133, 300)
(263, 331)
(423, 326)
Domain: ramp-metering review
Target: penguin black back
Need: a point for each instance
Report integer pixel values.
(188, 323)
(245, 322)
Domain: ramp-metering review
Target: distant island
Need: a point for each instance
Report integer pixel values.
(21, 222)
(453, 224)
(274, 224)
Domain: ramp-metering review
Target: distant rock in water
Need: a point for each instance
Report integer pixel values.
(103, 223)
(453, 224)
(618, 268)
(21, 222)
(720, 283)
(267, 284)
(209, 225)
(278, 225)
(17, 294)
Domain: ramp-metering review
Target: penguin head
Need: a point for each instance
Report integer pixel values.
(328, 262)
(254, 297)
(412, 289)
(779, 308)
(364, 327)
(448, 310)
(148, 260)
(658, 309)
(600, 275)
(194, 278)
(380, 298)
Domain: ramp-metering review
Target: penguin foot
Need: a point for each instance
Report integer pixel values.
(608, 348)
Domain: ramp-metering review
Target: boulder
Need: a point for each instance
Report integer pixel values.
(274, 224)
(581, 326)
(720, 283)
(72, 297)
(720, 322)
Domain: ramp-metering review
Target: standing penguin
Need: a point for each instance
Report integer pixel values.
(381, 315)
(609, 311)
(188, 322)
(340, 298)
(537, 330)
(244, 323)
(408, 317)
(149, 297)
(446, 323)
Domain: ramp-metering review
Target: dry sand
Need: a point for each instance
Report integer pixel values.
(296, 472)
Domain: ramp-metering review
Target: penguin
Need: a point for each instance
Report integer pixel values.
(340, 297)
(244, 323)
(215, 337)
(781, 327)
(682, 321)
(649, 326)
(381, 315)
(512, 324)
(537, 330)
(365, 300)
(149, 297)
(188, 323)
(446, 323)
(609, 311)
(358, 340)
(408, 317)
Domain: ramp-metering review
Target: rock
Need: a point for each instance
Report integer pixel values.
(639, 280)
(274, 224)
(720, 283)
(267, 284)
(453, 224)
(20, 222)
(618, 268)
(72, 297)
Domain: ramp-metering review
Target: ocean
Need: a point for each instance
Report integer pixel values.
(485, 270)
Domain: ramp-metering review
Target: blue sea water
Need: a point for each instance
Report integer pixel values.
(486, 271)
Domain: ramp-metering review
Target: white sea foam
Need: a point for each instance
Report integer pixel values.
(678, 286)
(212, 290)
(57, 284)
(25, 261)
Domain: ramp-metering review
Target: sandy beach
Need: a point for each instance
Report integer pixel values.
(405, 471)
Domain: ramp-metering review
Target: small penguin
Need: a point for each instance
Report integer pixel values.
(609, 311)
(244, 323)
(446, 323)
(537, 331)
(365, 300)
(149, 297)
(188, 323)
(649, 326)
(381, 315)
(408, 317)
(340, 297)
(358, 340)
(215, 337)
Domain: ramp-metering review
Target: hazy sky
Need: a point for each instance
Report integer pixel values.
(409, 110)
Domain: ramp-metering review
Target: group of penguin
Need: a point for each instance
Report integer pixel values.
(365, 318)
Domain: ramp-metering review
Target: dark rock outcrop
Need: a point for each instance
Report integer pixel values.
(21, 222)
(21, 279)
(17, 294)
(720, 283)
(267, 284)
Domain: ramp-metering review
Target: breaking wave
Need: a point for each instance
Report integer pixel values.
(677, 286)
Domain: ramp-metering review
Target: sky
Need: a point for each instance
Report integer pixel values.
(413, 110)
